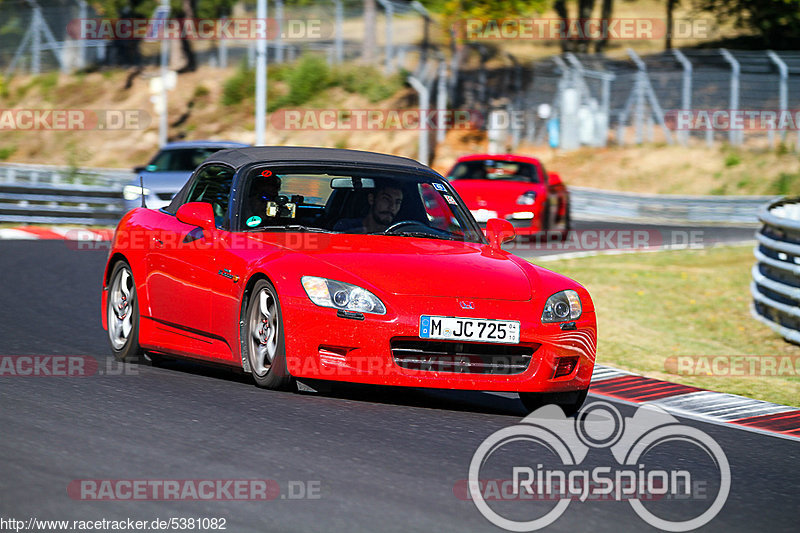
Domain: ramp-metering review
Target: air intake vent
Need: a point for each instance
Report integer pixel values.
(462, 357)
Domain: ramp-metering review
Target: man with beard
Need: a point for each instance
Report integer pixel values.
(384, 204)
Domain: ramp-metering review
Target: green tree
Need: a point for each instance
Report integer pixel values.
(585, 8)
(129, 50)
(777, 22)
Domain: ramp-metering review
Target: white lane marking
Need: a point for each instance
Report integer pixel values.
(720, 406)
(67, 232)
(12, 234)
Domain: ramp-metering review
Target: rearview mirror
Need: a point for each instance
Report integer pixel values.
(197, 214)
(352, 183)
(499, 231)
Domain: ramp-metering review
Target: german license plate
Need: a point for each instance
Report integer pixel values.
(469, 329)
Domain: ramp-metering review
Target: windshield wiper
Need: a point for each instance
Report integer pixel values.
(422, 234)
(295, 227)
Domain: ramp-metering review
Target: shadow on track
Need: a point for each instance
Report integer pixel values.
(441, 399)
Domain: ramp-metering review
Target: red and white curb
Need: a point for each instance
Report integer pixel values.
(60, 233)
(700, 404)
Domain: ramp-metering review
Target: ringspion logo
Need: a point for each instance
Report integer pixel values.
(541, 462)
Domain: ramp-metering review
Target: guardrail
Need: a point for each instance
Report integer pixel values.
(51, 195)
(47, 194)
(776, 276)
(599, 204)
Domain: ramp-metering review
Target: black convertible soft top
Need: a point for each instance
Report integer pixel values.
(239, 157)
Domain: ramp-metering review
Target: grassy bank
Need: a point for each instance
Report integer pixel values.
(654, 306)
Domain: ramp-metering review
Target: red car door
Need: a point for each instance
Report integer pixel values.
(183, 272)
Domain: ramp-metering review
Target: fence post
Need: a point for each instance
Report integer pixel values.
(644, 89)
(279, 35)
(83, 13)
(686, 90)
(441, 101)
(36, 46)
(262, 60)
(424, 107)
(783, 95)
(734, 136)
(426, 21)
(389, 9)
(339, 16)
(222, 51)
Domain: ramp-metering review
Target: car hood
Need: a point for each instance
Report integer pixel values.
(422, 267)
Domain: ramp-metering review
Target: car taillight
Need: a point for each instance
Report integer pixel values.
(565, 366)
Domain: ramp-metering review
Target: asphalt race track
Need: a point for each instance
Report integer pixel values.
(384, 460)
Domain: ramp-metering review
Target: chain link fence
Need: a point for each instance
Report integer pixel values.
(568, 100)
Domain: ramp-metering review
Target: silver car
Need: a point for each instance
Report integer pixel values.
(168, 171)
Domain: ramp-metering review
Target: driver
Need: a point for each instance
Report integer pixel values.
(384, 204)
(262, 191)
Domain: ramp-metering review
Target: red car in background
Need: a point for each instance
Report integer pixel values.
(515, 188)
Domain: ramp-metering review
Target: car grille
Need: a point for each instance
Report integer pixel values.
(462, 357)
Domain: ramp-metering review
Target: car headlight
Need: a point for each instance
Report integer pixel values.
(528, 198)
(562, 306)
(339, 295)
(132, 192)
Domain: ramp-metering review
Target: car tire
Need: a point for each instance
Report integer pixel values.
(122, 312)
(570, 402)
(263, 338)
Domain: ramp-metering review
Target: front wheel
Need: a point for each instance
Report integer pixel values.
(264, 338)
(122, 312)
(570, 402)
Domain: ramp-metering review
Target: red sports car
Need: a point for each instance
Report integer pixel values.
(317, 263)
(514, 188)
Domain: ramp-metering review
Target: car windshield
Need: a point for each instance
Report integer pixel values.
(355, 202)
(492, 169)
(178, 159)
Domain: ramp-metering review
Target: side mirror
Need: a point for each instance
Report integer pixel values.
(499, 231)
(197, 214)
(555, 179)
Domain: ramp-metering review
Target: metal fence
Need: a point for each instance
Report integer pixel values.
(61, 195)
(776, 276)
(583, 100)
(40, 35)
(638, 97)
(597, 204)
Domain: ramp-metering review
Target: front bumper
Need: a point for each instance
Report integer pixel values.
(322, 345)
